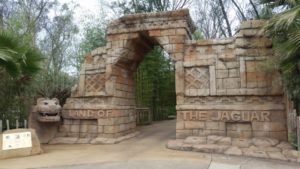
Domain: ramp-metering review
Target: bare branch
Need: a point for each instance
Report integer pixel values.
(239, 9)
(254, 8)
(225, 17)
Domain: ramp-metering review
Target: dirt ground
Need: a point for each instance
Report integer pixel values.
(147, 150)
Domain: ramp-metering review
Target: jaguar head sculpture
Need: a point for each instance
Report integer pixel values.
(48, 110)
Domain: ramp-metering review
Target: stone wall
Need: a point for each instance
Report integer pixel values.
(102, 105)
(227, 91)
(220, 86)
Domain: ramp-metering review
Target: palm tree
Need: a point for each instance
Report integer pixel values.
(284, 29)
(18, 60)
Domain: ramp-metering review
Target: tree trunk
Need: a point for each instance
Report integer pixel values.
(298, 132)
(239, 9)
(225, 17)
(254, 8)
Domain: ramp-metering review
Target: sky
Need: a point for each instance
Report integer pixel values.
(85, 7)
(94, 8)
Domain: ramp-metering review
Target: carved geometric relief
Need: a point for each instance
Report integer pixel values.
(94, 82)
(99, 60)
(236, 100)
(197, 78)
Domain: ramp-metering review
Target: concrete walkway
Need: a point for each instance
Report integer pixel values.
(146, 151)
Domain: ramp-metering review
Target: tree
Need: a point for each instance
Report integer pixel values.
(18, 65)
(25, 18)
(216, 19)
(283, 28)
(138, 6)
(18, 60)
(60, 32)
(225, 17)
(32, 27)
(155, 84)
(57, 44)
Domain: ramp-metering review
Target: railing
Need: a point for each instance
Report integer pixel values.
(143, 116)
(7, 125)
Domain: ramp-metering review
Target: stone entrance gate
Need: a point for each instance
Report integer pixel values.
(220, 86)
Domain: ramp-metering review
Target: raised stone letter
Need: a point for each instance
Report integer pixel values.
(265, 116)
(108, 113)
(245, 116)
(101, 114)
(194, 115)
(203, 116)
(236, 116)
(225, 116)
(255, 116)
(81, 113)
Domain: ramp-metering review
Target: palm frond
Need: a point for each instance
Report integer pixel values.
(277, 3)
(283, 21)
(16, 58)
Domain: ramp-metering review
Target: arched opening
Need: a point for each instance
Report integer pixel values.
(106, 92)
(155, 94)
(149, 71)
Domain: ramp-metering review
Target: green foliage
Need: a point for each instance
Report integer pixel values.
(51, 84)
(155, 84)
(18, 64)
(22, 78)
(139, 6)
(59, 36)
(94, 36)
(284, 28)
(17, 59)
(292, 138)
(197, 35)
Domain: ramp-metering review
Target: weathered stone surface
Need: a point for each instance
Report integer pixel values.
(284, 145)
(277, 155)
(175, 144)
(193, 125)
(212, 125)
(242, 143)
(224, 141)
(253, 151)
(291, 155)
(264, 142)
(21, 152)
(270, 149)
(45, 118)
(233, 150)
(220, 140)
(84, 140)
(218, 82)
(210, 148)
(280, 151)
(213, 139)
(181, 134)
(195, 140)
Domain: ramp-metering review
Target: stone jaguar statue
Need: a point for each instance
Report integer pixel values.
(45, 118)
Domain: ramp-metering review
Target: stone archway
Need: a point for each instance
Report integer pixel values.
(220, 88)
(103, 104)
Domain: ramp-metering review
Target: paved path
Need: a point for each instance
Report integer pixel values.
(146, 151)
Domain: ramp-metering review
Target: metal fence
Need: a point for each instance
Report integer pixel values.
(9, 124)
(143, 116)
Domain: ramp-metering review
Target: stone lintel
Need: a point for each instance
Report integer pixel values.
(231, 107)
(132, 22)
